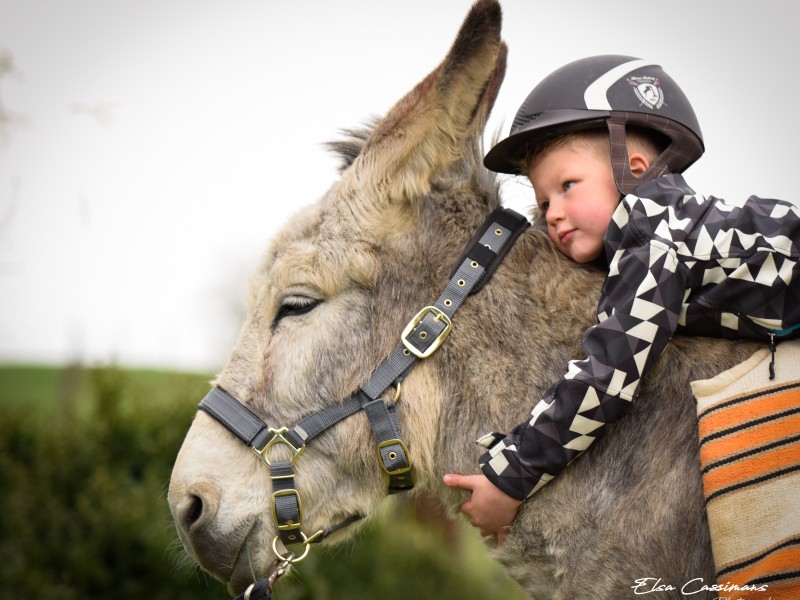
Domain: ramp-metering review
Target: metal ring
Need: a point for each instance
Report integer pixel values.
(291, 558)
(396, 393)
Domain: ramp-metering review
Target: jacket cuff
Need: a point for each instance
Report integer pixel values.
(500, 466)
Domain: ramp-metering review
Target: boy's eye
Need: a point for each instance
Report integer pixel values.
(568, 185)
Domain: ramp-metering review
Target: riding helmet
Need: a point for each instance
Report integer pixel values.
(612, 91)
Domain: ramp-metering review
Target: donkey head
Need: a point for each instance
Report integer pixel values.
(328, 303)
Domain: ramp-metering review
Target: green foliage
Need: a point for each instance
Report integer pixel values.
(83, 476)
(85, 459)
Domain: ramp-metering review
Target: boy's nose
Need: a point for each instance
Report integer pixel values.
(554, 213)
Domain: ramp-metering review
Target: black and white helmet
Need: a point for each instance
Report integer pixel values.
(617, 90)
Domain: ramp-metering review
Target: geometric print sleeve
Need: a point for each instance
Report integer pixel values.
(677, 262)
(638, 314)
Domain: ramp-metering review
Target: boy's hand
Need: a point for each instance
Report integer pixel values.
(489, 508)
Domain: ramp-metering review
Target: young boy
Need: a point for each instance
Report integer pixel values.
(603, 141)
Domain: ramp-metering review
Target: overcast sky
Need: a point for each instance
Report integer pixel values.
(150, 149)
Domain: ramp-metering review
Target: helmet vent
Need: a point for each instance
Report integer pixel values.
(522, 120)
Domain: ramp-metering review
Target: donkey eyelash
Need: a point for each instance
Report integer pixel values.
(295, 306)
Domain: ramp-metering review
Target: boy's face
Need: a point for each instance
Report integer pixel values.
(575, 190)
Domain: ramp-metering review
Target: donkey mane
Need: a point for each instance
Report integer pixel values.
(351, 142)
(348, 147)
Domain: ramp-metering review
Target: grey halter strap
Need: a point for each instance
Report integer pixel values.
(422, 337)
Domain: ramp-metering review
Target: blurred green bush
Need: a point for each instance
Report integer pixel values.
(85, 460)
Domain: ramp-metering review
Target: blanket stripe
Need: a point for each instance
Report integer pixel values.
(749, 428)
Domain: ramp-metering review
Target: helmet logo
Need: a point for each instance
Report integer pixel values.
(648, 90)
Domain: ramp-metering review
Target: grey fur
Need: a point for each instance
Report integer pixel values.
(377, 248)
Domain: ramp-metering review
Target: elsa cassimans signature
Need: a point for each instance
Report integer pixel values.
(652, 585)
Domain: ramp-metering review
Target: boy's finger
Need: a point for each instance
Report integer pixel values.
(457, 481)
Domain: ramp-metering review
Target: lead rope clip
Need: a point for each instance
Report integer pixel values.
(280, 570)
(257, 587)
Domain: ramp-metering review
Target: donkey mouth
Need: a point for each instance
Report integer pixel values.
(243, 572)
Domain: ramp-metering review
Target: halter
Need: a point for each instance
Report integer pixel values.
(423, 335)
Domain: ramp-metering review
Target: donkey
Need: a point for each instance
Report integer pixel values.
(328, 304)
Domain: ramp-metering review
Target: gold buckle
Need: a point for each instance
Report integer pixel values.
(278, 438)
(439, 316)
(400, 470)
(290, 524)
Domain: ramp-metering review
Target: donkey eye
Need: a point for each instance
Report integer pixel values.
(294, 306)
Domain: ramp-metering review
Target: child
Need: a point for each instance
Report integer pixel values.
(603, 141)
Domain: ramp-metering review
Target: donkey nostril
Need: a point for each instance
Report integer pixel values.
(191, 510)
(194, 509)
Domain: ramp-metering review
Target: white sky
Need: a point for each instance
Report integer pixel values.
(153, 147)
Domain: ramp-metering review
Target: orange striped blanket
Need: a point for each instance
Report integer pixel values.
(749, 430)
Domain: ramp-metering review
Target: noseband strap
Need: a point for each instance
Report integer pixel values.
(423, 335)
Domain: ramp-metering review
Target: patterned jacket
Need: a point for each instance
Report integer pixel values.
(678, 262)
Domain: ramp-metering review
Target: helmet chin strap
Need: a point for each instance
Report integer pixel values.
(627, 180)
(673, 159)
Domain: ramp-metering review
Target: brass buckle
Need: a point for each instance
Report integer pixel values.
(439, 316)
(290, 525)
(400, 470)
(278, 438)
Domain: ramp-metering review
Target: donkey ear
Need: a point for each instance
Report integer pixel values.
(429, 128)
(490, 92)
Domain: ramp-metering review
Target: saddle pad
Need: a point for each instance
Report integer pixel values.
(749, 429)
